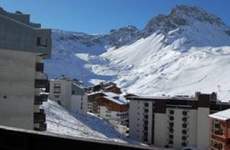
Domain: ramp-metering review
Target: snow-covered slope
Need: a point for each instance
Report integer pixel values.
(180, 53)
(60, 121)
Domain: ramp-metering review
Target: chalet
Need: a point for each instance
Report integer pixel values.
(220, 130)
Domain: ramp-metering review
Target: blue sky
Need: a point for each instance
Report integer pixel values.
(100, 16)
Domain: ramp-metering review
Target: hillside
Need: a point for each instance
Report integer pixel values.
(60, 121)
(186, 51)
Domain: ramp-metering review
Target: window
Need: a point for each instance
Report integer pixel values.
(171, 124)
(184, 138)
(171, 118)
(184, 131)
(41, 42)
(59, 102)
(184, 113)
(146, 105)
(171, 136)
(171, 112)
(184, 125)
(184, 119)
(38, 41)
(171, 130)
(170, 141)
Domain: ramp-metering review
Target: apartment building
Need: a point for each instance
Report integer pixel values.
(69, 93)
(220, 130)
(110, 106)
(173, 122)
(23, 85)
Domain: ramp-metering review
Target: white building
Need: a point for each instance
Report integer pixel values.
(173, 122)
(69, 93)
(23, 46)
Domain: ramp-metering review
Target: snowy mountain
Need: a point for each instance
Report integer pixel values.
(59, 121)
(180, 53)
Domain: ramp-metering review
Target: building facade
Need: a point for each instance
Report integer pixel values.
(69, 94)
(220, 130)
(110, 106)
(173, 122)
(23, 85)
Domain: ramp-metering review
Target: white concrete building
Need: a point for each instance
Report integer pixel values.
(23, 46)
(69, 94)
(173, 122)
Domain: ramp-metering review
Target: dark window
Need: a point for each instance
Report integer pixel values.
(59, 102)
(146, 104)
(4, 97)
(184, 119)
(171, 112)
(39, 67)
(184, 125)
(171, 136)
(184, 131)
(39, 41)
(171, 124)
(73, 92)
(184, 113)
(171, 118)
(170, 141)
(171, 130)
(184, 138)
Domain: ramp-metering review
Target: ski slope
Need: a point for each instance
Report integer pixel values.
(60, 121)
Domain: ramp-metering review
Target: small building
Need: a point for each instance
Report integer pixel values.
(220, 130)
(110, 106)
(69, 93)
(107, 87)
(173, 122)
(23, 84)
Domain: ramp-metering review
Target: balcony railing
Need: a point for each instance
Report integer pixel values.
(39, 117)
(41, 83)
(40, 127)
(41, 98)
(39, 67)
(18, 139)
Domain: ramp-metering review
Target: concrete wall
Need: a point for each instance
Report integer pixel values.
(17, 88)
(203, 128)
(16, 35)
(78, 103)
(136, 120)
(161, 129)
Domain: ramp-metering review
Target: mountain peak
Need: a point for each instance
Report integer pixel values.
(179, 16)
(188, 12)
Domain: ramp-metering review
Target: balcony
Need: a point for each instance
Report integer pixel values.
(39, 67)
(41, 83)
(18, 139)
(40, 75)
(39, 117)
(40, 127)
(41, 98)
